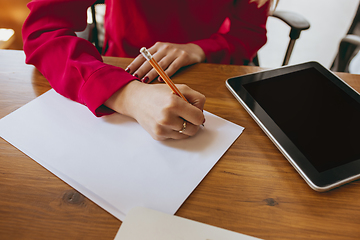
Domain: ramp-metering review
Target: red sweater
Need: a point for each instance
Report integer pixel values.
(75, 69)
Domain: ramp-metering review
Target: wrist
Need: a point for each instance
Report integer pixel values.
(121, 100)
(198, 51)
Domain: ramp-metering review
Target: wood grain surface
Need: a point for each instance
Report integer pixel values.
(252, 189)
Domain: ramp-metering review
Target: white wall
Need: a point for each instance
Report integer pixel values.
(329, 22)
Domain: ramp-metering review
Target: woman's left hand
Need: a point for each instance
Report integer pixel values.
(170, 56)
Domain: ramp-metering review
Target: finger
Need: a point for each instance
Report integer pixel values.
(173, 123)
(146, 72)
(139, 67)
(189, 112)
(160, 132)
(155, 48)
(183, 126)
(164, 64)
(195, 98)
(143, 70)
(173, 65)
(150, 76)
(135, 64)
(188, 129)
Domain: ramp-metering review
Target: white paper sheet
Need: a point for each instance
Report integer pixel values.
(147, 224)
(112, 160)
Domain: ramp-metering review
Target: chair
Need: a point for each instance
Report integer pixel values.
(296, 22)
(349, 46)
(94, 31)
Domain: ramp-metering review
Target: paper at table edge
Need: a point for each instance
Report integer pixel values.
(147, 224)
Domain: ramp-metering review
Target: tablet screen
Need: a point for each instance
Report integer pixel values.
(311, 115)
(316, 115)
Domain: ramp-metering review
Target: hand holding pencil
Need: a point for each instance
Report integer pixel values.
(166, 79)
(161, 113)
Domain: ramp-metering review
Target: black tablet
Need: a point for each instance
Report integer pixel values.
(311, 115)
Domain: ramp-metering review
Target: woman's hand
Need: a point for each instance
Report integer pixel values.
(171, 57)
(159, 111)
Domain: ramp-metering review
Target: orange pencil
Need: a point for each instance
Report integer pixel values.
(161, 72)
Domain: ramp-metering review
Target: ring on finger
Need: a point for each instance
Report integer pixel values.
(183, 127)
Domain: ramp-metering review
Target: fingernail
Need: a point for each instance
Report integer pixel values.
(127, 69)
(145, 79)
(135, 75)
(160, 79)
(204, 121)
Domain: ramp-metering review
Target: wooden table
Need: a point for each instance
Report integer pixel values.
(252, 189)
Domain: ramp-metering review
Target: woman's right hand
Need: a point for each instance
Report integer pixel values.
(159, 111)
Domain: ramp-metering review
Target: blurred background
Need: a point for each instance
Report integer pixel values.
(329, 22)
(12, 15)
(329, 19)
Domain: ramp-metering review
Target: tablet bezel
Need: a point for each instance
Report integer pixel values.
(319, 181)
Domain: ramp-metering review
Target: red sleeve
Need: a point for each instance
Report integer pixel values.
(246, 35)
(72, 65)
